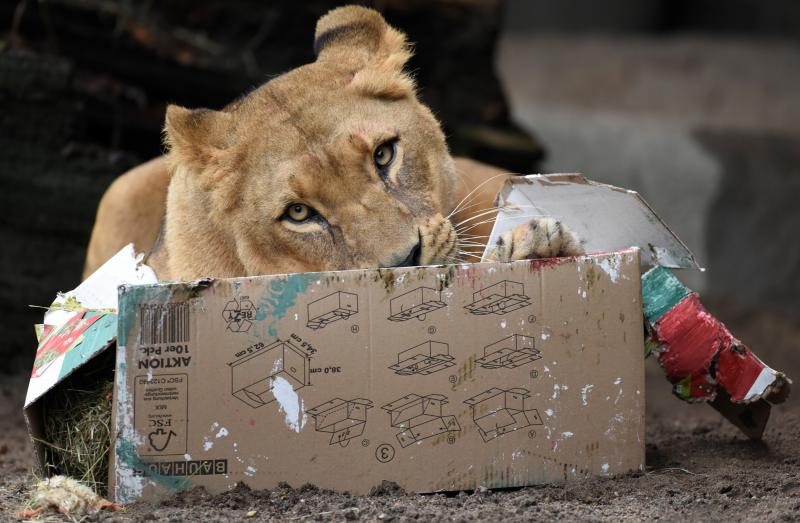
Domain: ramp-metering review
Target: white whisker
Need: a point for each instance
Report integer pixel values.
(463, 209)
(473, 225)
(471, 238)
(458, 206)
(474, 217)
(487, 212)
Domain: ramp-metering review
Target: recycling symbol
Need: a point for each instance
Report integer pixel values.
(238, 314)
(159, 438)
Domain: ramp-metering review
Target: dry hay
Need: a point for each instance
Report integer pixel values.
(77, 432)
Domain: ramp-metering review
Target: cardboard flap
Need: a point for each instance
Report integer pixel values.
(67, 348)
(605, 218)
(99, 291)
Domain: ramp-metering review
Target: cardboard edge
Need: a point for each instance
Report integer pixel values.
(667, 227)
(33, 421)
(643, 369)
(111, 483)
(750, 418)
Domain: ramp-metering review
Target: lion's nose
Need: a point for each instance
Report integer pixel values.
(413, 258)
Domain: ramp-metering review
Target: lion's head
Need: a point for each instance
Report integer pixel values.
(333, 165)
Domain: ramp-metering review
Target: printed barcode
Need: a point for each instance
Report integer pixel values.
(163, 323)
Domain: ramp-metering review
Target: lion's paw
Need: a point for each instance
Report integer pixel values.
(538, 238)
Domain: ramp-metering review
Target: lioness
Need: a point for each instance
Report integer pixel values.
(333, 165)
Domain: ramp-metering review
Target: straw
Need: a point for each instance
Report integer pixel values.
(77, 433)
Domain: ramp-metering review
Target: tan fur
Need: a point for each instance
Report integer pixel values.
(305, 137)
(131, 211)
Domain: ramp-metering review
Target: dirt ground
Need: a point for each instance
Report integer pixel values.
(698, 468)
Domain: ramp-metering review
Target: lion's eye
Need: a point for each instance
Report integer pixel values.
(384, 154)
(299, 213)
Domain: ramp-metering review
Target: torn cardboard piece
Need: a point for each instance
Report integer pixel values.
(436, 378)
(703, 360)
(99, 291)
(79, 326)
(604, 217)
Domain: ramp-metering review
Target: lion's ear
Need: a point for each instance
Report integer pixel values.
(360, 36)
(197, 137)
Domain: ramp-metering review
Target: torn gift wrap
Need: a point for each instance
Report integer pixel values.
(701, 358)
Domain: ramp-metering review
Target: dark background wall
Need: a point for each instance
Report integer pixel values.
(84, 84)
(744, 18)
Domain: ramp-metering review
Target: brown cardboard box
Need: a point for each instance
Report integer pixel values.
(437, 378)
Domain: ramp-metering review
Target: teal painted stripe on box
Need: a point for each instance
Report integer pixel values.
(281, 296)
(660, 292)
(94, 340)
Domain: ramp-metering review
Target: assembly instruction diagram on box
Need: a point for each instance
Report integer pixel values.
(420, 417)
(345, 379)
(415, 304)
(426, 358)
(500, 298)
(509, 353)
(333, 307)
(497, 412)
(343, 419)
(280, 364)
